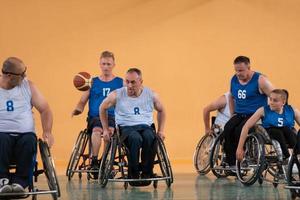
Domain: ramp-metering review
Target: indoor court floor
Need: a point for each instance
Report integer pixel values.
(185, 186)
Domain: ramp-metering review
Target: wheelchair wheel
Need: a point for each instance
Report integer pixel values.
(76, 153)
(164, 161)
(250, 168)
(107, 162)
(293, 175)
(49, 169)
(217, 158)
(201, 155)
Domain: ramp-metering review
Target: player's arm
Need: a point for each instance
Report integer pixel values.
(39, 102)
(218, 104)
(108, 102)
(265, 85)
(249, 124)
(81, 104)
(297, 116)
(161, 115)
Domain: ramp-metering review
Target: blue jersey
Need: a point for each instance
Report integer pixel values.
(274, 119)
(247, 98)
(99, 91)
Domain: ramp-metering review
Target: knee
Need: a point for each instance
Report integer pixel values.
(135, 138)
(97, 131)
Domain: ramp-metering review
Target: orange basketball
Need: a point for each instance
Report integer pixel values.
(82, 81)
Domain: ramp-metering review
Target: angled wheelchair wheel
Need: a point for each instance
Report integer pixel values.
(164, 161)
(77, 151)
(49, 169)
(217, 158)
(201, 155)
(293, 175)
(107, 162)
(250, 168)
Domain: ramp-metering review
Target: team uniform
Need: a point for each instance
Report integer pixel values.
(224, 115)
(279, 127)
(134, 116)
(17, 133)
(98, 92)
(247, 99)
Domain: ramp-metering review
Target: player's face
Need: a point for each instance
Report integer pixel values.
(133, 83)
(106, 65)
(242, 71)
(276, 102)
(16, 77)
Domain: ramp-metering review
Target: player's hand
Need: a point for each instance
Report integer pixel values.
(76, 112)
(49, 139)
(208, 131)
(239, 154)
(106, 135)
(161, 135)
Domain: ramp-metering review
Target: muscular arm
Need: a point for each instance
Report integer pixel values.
(249, 124)
(40, 103)
(218, 104)
(161, 115)
(265, 85)
(108, 102)
(81, 104)
(297, 116)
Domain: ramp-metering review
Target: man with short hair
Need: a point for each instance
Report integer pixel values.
(249, 91)
(17, 131)
(134, 106)
(102, 85)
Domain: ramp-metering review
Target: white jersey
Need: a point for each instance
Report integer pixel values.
(130, 111)
(15, 109)
(223, 116)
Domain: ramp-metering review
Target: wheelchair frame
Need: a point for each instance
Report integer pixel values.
(48, 169)
(83, 141)
(269, 159)
(116, 154)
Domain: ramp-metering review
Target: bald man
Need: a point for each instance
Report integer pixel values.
(17, 131)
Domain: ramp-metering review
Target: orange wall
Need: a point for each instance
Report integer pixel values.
(185, 49)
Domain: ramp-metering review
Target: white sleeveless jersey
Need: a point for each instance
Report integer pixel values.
(130, 111)
(15, 109)
(223, 116)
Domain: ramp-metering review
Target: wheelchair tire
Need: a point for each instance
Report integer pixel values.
(107, 161)
(78, 150)
(202, 154)
(49, 169)
(293, 178)
(255, 153)
(216, 158)
(164, 161)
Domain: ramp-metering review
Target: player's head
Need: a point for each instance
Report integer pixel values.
(107, 62)
(242, 67)
(133, 81)
(277, 99)
(14, 71)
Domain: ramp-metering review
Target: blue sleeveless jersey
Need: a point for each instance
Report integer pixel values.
(99, 91)
(247, 98)
(273, 119)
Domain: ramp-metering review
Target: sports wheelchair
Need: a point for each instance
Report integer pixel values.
(80, 160)
(263, 156)
(114, 163)
(203, 149)
(293, 171)
(48, 170)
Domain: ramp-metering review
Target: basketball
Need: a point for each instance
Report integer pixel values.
(82, 81)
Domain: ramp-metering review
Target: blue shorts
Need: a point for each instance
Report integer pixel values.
(95, 122)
